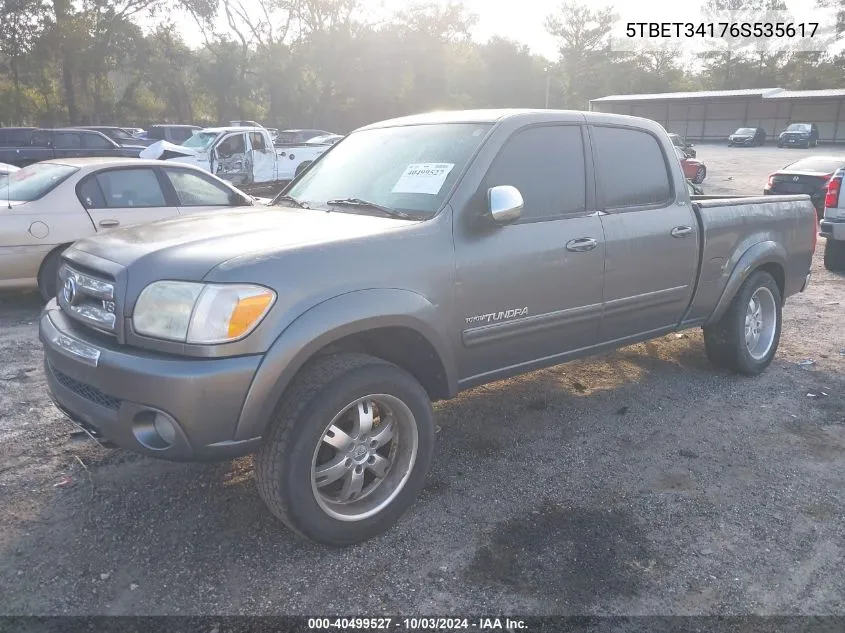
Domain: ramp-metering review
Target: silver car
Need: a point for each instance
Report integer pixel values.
(49, 205)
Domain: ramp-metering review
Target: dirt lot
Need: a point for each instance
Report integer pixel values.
(643, 482)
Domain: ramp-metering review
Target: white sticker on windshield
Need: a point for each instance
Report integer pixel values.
(423, 178)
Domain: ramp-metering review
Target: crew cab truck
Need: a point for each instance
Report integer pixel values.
(241, 155)
(65, 143)
(420, 257)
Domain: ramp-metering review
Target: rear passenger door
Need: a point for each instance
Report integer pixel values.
(68, 145)
(531, 290)
(650, 230)
(124, 196)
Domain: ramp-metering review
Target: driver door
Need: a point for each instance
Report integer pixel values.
(230, 159)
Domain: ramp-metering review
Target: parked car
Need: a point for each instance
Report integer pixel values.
(243, 155)
(747, 136)
(297, 137)
(15, 136)
(832, 226)
(682, 144)
(54, 203)
(64, 143)
(694, 169)
(121, 136)
(809, 176)
(804, 135)
(175, 134)
(232, 333)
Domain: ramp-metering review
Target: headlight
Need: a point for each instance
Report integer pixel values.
(200, 313)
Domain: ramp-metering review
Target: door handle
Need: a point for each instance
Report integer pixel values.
(681, 231)
(581, 244)
(109, 223)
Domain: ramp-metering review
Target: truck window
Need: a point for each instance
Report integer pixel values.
(257, 141)
(95, 141)
(194, 190)
(156, 133)
(67, 140)
(232, 145)
(632, 168)
(42, 138)
(131, 188)
(546, 164)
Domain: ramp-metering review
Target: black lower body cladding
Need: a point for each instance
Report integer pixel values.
(197, 401)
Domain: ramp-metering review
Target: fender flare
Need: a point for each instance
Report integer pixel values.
(329, 321)
(759, 254)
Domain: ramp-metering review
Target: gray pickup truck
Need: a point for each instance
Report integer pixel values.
(417, 258)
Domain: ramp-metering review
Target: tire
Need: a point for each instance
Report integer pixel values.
(700, 174)
(302, 167)
(49, 272)
(296, 444)
(780, 145)
(834, 255)
(725, 341)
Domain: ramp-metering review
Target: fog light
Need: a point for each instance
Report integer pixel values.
(164, 427)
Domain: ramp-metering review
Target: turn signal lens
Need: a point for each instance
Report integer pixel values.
(247, 312)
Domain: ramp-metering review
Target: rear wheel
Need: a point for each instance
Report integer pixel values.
(348, 451)
(746, 338)
(834, 255)
(700, 173)
(49, 272)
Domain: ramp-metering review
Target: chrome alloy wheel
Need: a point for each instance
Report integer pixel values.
(760, 323)
(364, 457)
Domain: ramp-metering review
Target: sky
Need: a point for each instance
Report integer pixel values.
(522, 20)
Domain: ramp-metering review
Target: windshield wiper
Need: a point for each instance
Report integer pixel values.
(290, 199)
(358, 202)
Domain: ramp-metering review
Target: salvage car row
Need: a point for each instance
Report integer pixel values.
(222, 334)
(242, 154)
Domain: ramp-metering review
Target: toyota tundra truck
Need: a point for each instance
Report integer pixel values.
(421, 257)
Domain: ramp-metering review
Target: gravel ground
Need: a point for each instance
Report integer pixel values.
(642, 482)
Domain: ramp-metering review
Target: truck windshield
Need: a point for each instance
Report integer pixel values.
(409, 168)
(200, 140)
(35, 181)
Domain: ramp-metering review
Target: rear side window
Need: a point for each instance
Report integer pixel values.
(631, 167)
(15, 138)
(546, 164)
(131, 188)
(95, 141)
(90, 194)
(257, 141)
(41, 139)
(67, 140)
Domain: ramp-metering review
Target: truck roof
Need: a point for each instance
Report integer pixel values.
(496, 115)
(234, 128)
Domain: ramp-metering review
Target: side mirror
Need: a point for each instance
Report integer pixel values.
(504, 204)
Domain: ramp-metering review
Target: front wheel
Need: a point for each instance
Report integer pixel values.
(746, 338)
(348, 451)
(834, 255)
(700, 173)
(48, 274)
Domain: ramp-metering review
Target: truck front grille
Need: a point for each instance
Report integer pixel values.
(87, 298)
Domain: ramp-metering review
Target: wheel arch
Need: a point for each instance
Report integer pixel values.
(767, 255)
(399, 326)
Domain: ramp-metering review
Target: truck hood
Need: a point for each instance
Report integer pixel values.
(190, 246)
(163, 150)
